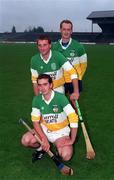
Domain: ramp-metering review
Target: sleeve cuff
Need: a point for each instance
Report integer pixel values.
(74, 76)
(34, 82)
(74, 125)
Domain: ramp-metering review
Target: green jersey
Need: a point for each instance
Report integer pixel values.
(75, 54)
(55, 66)
(55, 114)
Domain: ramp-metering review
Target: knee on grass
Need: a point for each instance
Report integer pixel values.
(26, 141)
(66, 156)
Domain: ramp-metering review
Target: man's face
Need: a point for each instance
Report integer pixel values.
(44, 86)
(44, 47)
(66, 31)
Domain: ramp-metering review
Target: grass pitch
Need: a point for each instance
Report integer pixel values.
(97, 107)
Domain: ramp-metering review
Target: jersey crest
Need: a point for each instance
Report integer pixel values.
(55, 108)
(72, 53)
(53, 66)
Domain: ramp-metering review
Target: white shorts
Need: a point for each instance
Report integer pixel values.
(54, 135)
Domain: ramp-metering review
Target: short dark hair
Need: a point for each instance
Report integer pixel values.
(44, 37)
(67, 22)
(45, 76)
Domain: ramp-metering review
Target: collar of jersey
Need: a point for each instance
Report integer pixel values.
(46, 61)
(67, 45)
(52, 96)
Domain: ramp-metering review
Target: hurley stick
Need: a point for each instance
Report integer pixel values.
(65, 170)
(90, 153)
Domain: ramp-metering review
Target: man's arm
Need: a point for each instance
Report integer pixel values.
(35, 89)
(74, 77)
(83, 64)
(83, 60)
(72, 139)
(34, 77)
(73, 134)
(45, 144)
(36, 118)
(75, 94)
(73, 120)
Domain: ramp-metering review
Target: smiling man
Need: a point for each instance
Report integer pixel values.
(74, 53)
(53, 119)
(53, 63)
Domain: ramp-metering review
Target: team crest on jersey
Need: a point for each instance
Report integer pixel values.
(72, 53)
(55, 108)
(53, 66)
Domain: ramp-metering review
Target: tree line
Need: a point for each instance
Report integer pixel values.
(38, 29)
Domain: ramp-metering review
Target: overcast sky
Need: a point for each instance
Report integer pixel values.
(48, 13)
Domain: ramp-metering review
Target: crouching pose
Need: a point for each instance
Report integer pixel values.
(53, 119)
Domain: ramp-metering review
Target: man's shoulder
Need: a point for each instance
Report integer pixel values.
(76, 42)
(59, 95)
(34, 57)
(37, 98)
(56, 53)
(79, 46)
(61, 99)
(56, 45)
(35, 60)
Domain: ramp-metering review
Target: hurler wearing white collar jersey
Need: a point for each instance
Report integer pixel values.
(53, 119)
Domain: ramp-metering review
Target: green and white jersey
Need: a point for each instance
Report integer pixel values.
(55, 114)
(75, 54)
(55, 66)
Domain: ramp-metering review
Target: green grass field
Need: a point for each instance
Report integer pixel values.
(96, 103)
